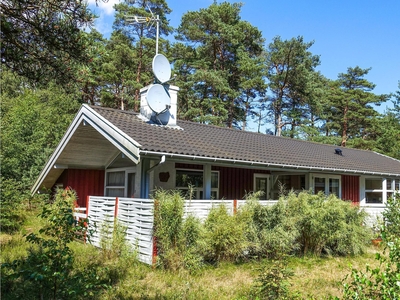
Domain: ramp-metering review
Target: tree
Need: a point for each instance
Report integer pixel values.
(352, 98)
(44, 41)
(118, 73)
(89, 76)
(142, 36)
(289, 67)
(32, 122)
(223, 49)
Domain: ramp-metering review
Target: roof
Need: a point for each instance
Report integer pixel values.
(225, 144)
(98, 135)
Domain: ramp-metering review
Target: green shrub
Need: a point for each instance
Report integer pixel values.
(327, 224)
(11, 212)
(272, 282)
(382, 282)
(276, 232)
(168, 221)
(224, 236)
(47, 272)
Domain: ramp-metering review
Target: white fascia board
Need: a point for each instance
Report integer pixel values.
(117, 137)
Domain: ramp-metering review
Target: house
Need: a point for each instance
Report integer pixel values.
(109, 152)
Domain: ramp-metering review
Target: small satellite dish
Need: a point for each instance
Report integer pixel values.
(161, 68)
(158, 98)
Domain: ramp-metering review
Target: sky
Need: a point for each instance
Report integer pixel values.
(346, 33)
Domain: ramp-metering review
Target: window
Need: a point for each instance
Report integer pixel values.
(328, 184)
(285, 183)
(261, 183)
(120, 183)
(378, 190)
(192, 181)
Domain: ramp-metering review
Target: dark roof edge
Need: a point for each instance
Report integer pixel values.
(246, 162)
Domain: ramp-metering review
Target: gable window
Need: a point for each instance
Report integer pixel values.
(120, 183)
(191, 181)
(378, 190)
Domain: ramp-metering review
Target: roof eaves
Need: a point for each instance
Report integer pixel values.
(253, 163)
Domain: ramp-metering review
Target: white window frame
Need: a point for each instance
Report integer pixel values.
(268, 188)
(198, 190)
(125, 186)
(326, 177)
(383, 190)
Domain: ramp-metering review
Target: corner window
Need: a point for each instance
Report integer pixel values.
(190, 182)
(378, 190)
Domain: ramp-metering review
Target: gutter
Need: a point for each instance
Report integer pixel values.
(252, 163)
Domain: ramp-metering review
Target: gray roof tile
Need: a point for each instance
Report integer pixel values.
(223, 143)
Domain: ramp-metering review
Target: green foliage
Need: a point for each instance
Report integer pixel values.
(112, 240)
(44, 42)
(224, 236)
(176, 237)
(47, 271)
(274, 231)
(327, 224)
(290, 70)
(272, 282)
(32, 123)
(11, 213)
(219, 66)
(382, 282)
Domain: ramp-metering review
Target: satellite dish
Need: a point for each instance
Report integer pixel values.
(158, 98)
(161, 68)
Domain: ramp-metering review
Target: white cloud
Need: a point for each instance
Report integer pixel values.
(104, 7)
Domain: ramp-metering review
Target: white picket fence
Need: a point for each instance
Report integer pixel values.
(137, 216)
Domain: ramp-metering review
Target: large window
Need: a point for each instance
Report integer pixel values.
(378, 190)
(191, 183)
(282, 184)
(120, 183)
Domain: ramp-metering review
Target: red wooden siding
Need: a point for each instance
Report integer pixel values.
(84, 182)
(234, 183)
(351, 188)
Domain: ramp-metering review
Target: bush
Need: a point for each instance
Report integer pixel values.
(224, 236)
(11, 213)
(47, 272)
(382, 282)
(274, 231)
(272, 282)
(177, 238)
(327, 224)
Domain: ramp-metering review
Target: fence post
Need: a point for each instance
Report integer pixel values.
(235, 207)
(154, 250)
(116, 209)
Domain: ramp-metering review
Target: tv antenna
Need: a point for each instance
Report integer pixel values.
(141, 20)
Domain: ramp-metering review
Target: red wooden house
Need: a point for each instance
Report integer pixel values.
(109, 152)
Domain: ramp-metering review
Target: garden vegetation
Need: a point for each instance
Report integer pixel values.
(252, 254)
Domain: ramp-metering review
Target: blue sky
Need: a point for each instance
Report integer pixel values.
(346, 33)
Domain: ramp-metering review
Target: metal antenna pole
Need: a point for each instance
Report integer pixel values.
(157, 26)
(137, 19)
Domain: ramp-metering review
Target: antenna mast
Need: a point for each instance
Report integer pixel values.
(140, 20)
